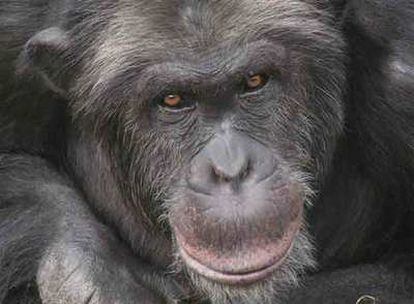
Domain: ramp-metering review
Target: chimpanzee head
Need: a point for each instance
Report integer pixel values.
(217, 120)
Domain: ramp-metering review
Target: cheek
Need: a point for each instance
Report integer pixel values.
(148, 159)
(289, 130)
(304, 127)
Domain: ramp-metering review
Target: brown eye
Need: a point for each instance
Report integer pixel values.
(256, 82)
(176, 102)
(172, 101)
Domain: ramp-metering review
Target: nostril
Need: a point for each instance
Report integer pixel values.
(231, 172)
(219, 176)
(246, 170)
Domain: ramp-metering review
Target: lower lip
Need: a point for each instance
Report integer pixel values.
(236, 278)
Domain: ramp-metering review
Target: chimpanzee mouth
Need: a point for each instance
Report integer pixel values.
(261, 262)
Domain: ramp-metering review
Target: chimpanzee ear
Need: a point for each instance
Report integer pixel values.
(44, 57)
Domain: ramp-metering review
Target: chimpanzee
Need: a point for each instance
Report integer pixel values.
(158, 151)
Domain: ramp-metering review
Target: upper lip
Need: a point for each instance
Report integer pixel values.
(203, 190)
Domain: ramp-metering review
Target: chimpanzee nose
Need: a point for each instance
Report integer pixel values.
(229, 159)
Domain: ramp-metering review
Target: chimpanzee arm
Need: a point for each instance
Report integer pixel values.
(47, 232)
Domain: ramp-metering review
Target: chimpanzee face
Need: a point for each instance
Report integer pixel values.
(221, 118)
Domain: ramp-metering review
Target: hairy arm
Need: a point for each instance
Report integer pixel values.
(47, 232)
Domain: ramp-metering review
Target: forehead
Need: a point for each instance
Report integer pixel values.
(199, 24)
(142, 33)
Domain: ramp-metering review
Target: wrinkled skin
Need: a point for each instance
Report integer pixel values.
(206, 152)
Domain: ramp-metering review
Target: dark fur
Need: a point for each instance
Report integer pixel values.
(74, 209)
